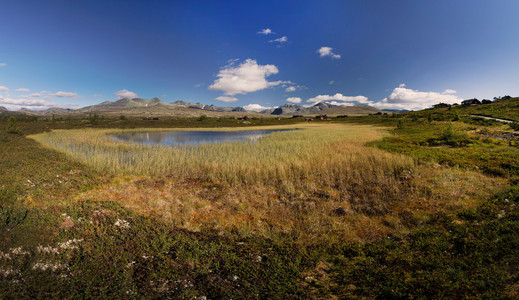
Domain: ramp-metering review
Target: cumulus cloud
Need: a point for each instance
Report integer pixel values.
(226, 99)
(404, 98)
(125, 94)
(33, 95)
(327, 51)
(22, 90)
(16, 104)
(3, 88)
(24, 102)
(47, 95)
(255, 107)
(3, 64)
(280, 40)
(346, 100)
(65, 94)
(294, 100)
(331, 82)
(36, 101)
(245, 78)
(266, 31)
(290, 89)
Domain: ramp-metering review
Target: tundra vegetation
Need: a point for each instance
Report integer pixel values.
(351, 208)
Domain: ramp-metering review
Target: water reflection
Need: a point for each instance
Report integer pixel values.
(171, 138)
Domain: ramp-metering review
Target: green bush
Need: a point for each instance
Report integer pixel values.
(12, 126)
(456, 117)
(452, 138)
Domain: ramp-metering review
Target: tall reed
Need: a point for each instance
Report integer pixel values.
(298, 163)
(316, 184)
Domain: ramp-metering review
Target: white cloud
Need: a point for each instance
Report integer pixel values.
(97, 96)
(23, 102)
(65, 95)
(281, 40)
(16, 104)
(198, 85)
(294, 100)
(22, 90)
(290, 89)
(226, 99)
(347, 100)
(125, 94)
(47, 95)
(341, 103)
(3, 64)
(449, 91)
(33, 95)
(255, 107)
(404, 98)
(246, 78)
(3, 88)
(266, 31)
(36, 101)
(331, 82)
(327, 51)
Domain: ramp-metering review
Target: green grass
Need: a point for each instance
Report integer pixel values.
(486, 146)
(427, 142)
(63, 238)
(502, 109)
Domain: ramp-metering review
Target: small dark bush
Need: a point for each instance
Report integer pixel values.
(12, 126)
(452, 138)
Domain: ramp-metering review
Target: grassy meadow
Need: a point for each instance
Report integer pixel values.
(406, 206)
(286, 185)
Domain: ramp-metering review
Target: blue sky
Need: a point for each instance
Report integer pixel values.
(389, 54)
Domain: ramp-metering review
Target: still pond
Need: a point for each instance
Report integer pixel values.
(172, 138)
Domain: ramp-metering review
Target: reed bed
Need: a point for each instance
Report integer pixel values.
(318, 182)
(313, 153)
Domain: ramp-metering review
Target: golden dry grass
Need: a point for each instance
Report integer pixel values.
(318, 183)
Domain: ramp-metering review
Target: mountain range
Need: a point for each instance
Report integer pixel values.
(157, 107)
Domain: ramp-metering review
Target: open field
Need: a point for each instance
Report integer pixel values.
(319, 214)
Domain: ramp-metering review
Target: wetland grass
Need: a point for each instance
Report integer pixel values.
(317, 183)
(115, 234)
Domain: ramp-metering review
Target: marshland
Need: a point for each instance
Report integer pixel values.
(422, 203)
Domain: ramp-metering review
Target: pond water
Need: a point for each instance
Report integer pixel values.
(172, 138)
